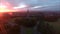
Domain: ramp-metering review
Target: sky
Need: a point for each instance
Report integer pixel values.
(34, 2)
(48, 4)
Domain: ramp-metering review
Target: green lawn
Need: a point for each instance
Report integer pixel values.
(55, 25)
(28, 30)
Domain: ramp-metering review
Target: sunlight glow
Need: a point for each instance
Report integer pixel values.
(4, 8)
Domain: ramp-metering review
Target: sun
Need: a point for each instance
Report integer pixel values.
(4, 8)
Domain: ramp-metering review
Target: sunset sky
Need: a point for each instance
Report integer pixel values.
(34, 2)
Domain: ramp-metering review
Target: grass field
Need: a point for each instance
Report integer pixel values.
(55, 26)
